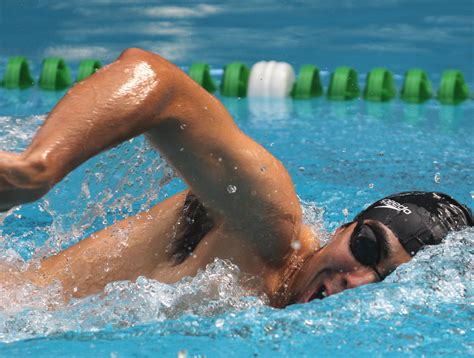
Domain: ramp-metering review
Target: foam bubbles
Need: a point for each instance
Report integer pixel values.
(423, 300)
(26, 311)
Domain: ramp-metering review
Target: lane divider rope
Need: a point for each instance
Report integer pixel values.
(268, 79)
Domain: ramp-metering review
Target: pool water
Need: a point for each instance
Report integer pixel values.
(341, 155)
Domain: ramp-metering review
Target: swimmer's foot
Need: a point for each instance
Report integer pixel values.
(21, 181)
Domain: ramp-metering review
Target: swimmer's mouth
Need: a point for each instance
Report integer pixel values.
(319, 294)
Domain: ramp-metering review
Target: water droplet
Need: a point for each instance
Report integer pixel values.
(263, 169)
(235, 168)
(381, 154)
(219, 322)
(296, 245)
(371, 185)
(301, 169)
(181, 149)
(219, 159)
(74, 289)
(182, 126)
(231, 189)
(272, 144)
(437, 178)
(472, 194)
(345, 212)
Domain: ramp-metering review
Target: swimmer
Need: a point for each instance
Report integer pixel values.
(240, 206)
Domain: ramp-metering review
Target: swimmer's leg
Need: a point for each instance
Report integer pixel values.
(120, 101)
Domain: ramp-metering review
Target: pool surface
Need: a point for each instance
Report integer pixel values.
(341, 155)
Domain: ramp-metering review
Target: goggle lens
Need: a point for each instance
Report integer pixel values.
(364, 245)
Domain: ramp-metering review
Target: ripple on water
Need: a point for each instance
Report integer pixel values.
(424, 306)
(217, 302)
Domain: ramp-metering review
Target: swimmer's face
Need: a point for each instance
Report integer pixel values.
(344, 263)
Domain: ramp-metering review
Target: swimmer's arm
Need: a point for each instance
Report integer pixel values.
(10, 276)
(236, 179)
(120, 101)
(132, 247)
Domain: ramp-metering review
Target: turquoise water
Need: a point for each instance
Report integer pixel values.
(423, 308)
(399, 34)
(341, 156)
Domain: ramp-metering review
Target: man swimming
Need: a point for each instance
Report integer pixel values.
(240, 205)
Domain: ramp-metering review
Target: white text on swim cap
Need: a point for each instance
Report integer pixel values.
(392, 204)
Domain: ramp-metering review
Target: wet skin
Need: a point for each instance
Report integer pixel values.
(142, 93)
(334, 268)
(255, 225)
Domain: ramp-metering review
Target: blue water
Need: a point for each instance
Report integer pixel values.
(341, 157)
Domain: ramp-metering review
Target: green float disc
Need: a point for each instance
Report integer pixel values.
(343, 84)
(235, 80)
(416, 86)
(17, 74)
(200, 73)
(452, 89)
(87, 68)
(55, 74)
(308, 84)
(380, 85)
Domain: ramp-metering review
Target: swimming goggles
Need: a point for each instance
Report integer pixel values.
(367, 244)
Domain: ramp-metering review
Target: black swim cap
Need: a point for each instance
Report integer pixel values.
(419, 218)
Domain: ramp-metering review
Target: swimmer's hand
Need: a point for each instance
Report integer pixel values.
(21, 181)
